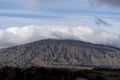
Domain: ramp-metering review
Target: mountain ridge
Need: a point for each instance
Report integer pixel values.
(50, 39)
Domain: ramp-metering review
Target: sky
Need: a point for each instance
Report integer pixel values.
(95, 21)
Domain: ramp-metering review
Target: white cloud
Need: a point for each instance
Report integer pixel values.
(21, 35)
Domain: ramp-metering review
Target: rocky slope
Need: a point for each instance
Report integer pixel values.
(53, 52)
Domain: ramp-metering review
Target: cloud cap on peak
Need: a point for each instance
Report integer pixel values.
(21, 35)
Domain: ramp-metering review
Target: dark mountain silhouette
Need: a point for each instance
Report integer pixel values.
(69, 53)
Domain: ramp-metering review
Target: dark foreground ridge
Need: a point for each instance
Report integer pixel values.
(60, 53)
(42, 73)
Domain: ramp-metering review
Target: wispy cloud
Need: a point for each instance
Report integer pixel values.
(37, 4)
(115, 3)
(27, 4)
(100, 22)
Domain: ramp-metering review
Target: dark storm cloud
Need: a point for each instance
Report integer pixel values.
(115, 3)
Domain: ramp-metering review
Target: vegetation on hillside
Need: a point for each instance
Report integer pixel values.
(42, 73)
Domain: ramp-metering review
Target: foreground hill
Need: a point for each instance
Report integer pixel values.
(60, 53)
(44, 73)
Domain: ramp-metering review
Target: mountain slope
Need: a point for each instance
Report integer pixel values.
(52, 52)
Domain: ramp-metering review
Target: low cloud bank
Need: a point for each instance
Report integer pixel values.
(21, 35)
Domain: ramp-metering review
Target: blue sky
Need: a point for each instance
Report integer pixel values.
(54, 11)
(100, 15)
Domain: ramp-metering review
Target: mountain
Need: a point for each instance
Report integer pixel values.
(52, 52)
